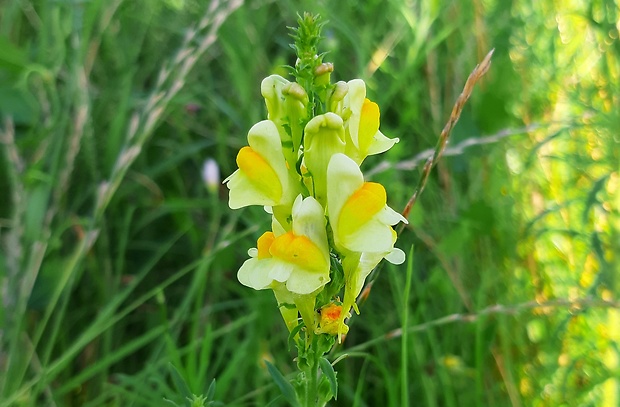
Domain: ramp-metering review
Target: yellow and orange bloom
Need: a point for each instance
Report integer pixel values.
(305, 172)
(263, 177)
(363, 137)
(361, 223)
(358, 213)
(328, 322)
(298, 258)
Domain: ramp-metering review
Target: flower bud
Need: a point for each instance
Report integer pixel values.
(211, 175)
(324, 137)
(322, 73)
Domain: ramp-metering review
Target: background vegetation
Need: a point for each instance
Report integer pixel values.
(118, 259)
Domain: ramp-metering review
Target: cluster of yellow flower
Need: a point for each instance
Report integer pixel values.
(306, 172)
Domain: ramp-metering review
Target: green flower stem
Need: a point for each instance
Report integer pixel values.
(312, 385)
(310, 377)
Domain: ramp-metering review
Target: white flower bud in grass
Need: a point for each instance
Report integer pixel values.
(211, 175)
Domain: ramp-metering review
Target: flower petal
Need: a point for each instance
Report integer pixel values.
(305, 282)
(354, 101)
(260, 173)
(381, 143)
(309, 220)
(263, 244)
(369, 124)
(343, 179)
(358, 213)
(299, 251)
(390, 217)
(254, 273)
(262, 177)
(372, 237)
(271, 89)
(361, 207)
(396, 256)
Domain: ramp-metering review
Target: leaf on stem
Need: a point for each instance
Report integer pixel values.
(328, 371)
(285, 387)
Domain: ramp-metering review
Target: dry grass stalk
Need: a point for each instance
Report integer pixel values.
(473, 78)
(457, 149)
(170, 81)
(477, 74)
(571, 305)
(12, 241)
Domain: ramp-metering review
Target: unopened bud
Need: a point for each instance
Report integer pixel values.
(337, 96)
(211, 175)
(322, 73)
(295, 90)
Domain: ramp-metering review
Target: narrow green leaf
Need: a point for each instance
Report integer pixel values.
(293, 335)
(179, 382)
(285, 387)
(328, 370)
(211, 391)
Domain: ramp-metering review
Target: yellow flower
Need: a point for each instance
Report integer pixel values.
(363, 137)
(329, 320)
(358, 213)
(361, 223)
(262, 177)
(299, 258)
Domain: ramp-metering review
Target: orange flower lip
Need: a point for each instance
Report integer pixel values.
(300, 251)
(264, 244)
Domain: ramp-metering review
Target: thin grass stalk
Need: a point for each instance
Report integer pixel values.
(475, 76)
(38, 248)
(404, 350)
(12, 247)
(571, 305)
(460, 148)
(105, 319)
(170, 81)
(13, 241)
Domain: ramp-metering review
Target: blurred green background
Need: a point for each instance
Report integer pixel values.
(117, 258)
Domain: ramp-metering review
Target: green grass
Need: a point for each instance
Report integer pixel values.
(116, 260)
